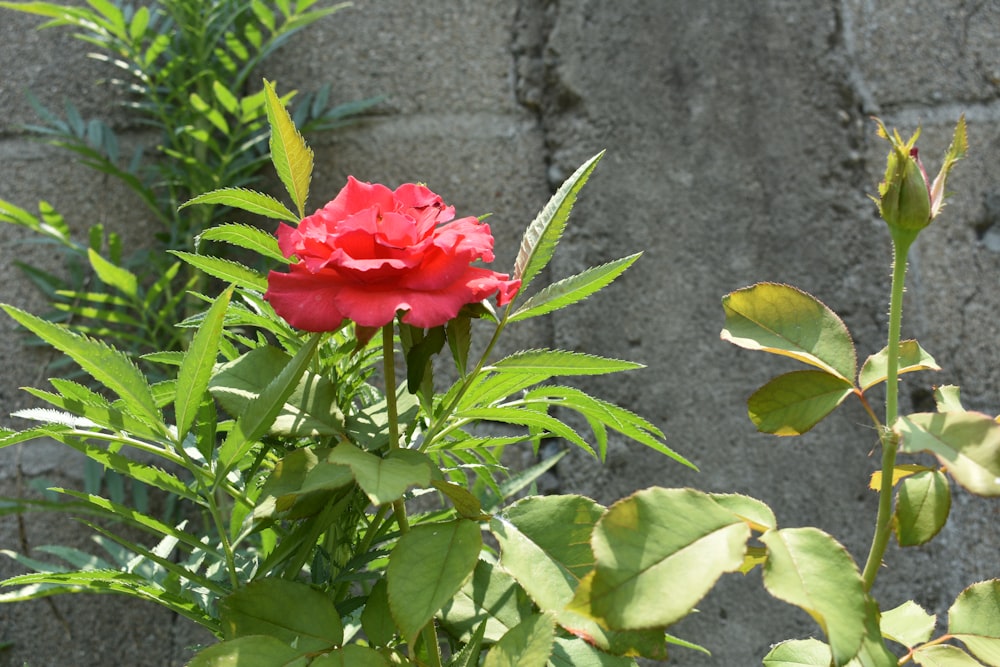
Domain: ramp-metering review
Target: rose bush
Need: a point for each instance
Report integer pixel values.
(372, 252)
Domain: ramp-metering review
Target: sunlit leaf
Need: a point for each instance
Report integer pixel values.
(549, 363)
(912, 358)
(571, 290)
(292, 159)
(384, 479)
(807, 568)
(491, 600)
(528, 643)
(974, 619)
(427, 567)
(799, 653)
(658, 552)
(115, 276)
(245, 236)
(252, 651)
(199, 360)
(225, 270)
(543, 234)
(948, 398)
(310, 410)
(759, 516)
(351, 655)
(908, 624)
(105, 364)
(293, 612)
(793, 403)
(943, 655)
(783, 320)
(246, 200)
(967, 444)
(922, 505)
(898, 473)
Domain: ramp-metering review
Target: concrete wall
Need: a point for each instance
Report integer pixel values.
(739, 149)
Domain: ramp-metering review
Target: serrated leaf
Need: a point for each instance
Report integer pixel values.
(912, 358)
(573, 289)
(252, 651)
(115, 276)
(908, 624)
(292, 159)
(427, 567)
(199, 361)
(543, 234)
(898, 472)
(967, 444)
(225, 270)
(295, 613)
(532, 419)
(923, 502)
(551, 363)
(490, 601)
(658, 552)
(575, 652)
(352, 655)
(261, 411)
(799, 653)
(105, 364)
(943, 655)
(948, 398)
(809, 569)
(793, 403)
(783, 320)
(246, 200)
(384, 479)
(974, 619)
(245, 236)
(310, 410)
(528, 643)
(758, 515)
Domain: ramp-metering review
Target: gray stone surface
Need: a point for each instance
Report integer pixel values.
(739, 149)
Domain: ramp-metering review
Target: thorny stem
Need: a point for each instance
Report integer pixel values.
(901, 246)
(389, 366)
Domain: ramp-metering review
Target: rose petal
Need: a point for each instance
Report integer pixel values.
(305, 300)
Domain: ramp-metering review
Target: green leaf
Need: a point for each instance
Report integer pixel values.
(105, 364)
(301, 484)
(575, 652)
(351, 655)
(252, 651)
(908, 624)
(759, 516)
(292, 159)
(912, 358)
(311, 409)
(943, 655)
(793, 403)
(245, 236)
(799, 653)
(783, 320)
(490, 601)
(922, 505)
(658, 552)
(550, 363)
(873, 651)
(261, 412)
(295, 613)
(529, 643)
(543, 234)
(967, 444)
(225, 270)
(246, 200)
(974, 619)
(384, 479)
(199, 360)
(376, 619)
(529, 418)
(573, 289)
(120, 278)
(948, 398)
(427, 567)
(807, 568)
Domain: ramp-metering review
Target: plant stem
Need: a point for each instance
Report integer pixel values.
(901, 246)
(389, 370)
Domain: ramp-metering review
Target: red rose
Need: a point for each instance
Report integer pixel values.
(372, 252)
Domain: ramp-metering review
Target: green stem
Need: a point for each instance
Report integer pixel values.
(883, 521)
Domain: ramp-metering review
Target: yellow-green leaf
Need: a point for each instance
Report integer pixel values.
(292, 159)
